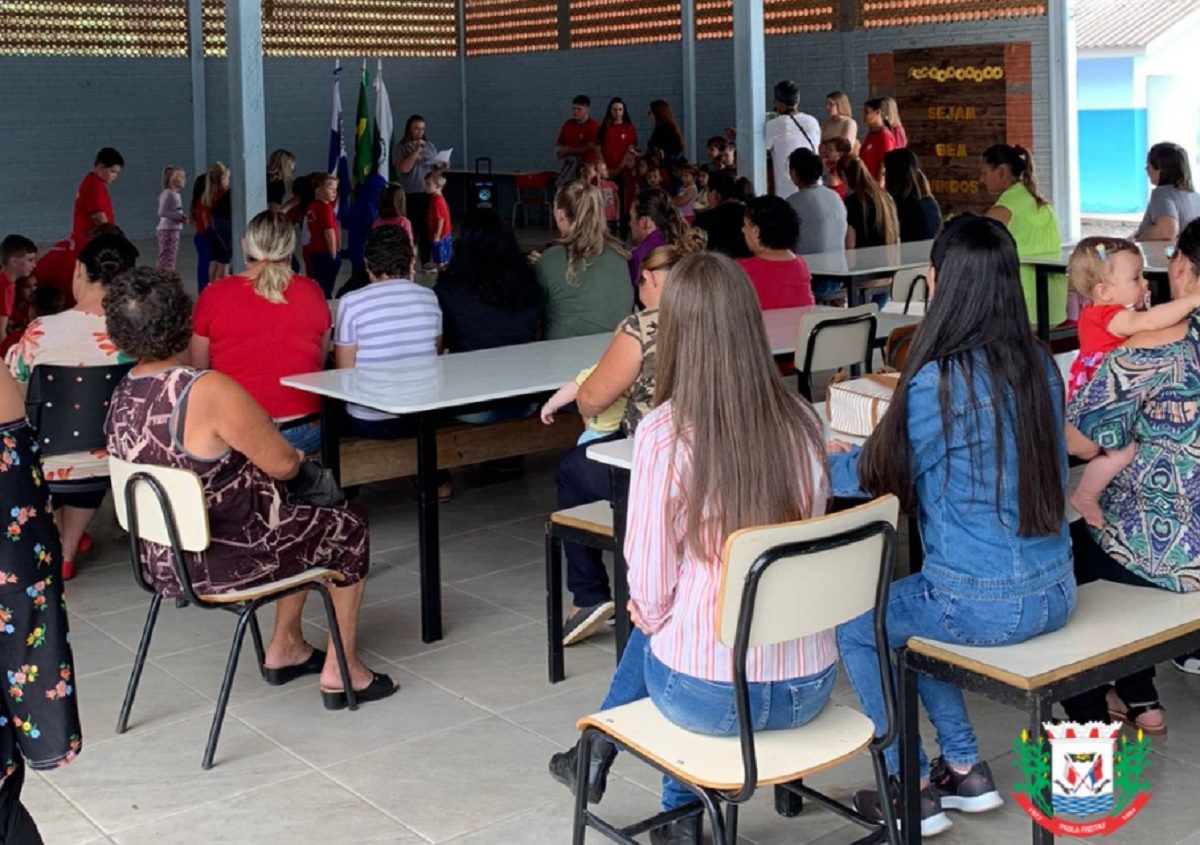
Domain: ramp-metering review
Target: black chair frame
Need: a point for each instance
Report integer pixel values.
(724, 828)
(65, 434)
(245, 612)
(556, 535)
(805, 373)
(924, 283)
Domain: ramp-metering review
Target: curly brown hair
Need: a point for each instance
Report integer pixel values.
(149, 314)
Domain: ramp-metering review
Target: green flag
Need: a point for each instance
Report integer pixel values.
(362, 133)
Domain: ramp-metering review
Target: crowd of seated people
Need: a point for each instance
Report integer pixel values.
(682, 296)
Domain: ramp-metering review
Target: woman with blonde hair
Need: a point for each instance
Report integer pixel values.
(264, 324)
(584, 277)
(717, 383)
(841, 122)
(891, 117)
(281, 172)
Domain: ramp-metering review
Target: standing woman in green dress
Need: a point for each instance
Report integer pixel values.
(39, 718)
(1007, 173)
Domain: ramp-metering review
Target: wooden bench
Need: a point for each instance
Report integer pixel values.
(589, 525)
(364, 461)
(1115, 630)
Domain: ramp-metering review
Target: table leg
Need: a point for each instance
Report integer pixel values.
(1042, 302)
(853, 296)
(620, 503)
(910, 742)
(1040, 712)
(427, 527)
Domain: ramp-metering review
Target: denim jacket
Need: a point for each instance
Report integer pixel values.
(972, 549)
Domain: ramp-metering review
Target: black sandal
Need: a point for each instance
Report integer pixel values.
(381, 687)
(284, 674)
(1132, 715)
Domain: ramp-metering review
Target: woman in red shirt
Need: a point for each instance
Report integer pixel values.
(780, 277)
(880, 139)
(617, 137)
(265, 324)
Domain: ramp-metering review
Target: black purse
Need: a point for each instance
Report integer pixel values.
(315, 485)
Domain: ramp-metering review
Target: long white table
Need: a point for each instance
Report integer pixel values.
(852, 266)
(429, 388)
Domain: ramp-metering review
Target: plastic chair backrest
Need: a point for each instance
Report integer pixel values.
(809, 592)
(67, 406)
(183, 494)
(843, 339)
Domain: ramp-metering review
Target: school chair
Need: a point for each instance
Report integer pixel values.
(830, 341)
(588, 525)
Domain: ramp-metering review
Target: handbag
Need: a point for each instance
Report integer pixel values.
(315, 485)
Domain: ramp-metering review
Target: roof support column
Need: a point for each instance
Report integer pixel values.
(750, 89)
(247, 122)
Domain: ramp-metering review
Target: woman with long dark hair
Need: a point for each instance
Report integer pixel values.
(666, 137)
(918, 213)
(973, 443)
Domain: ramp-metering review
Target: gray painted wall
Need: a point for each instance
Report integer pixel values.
(58, 112)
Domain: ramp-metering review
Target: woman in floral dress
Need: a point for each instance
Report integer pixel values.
(39, 719)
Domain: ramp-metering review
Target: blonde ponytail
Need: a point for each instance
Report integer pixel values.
(271, 240)
(588, 236)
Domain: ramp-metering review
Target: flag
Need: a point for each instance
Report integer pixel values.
(384, 126)
(339, 164)
(362, 131)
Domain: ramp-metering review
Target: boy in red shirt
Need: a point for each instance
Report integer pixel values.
(321, 261)
(439, 220)
(18, 257)
(577, 140)
(93, 205)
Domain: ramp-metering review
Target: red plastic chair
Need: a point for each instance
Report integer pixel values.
(534, 191)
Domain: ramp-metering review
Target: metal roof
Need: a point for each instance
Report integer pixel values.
(1127, 23)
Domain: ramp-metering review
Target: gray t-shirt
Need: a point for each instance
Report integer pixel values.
(413, 182)
(1169, 201)
(822, 220)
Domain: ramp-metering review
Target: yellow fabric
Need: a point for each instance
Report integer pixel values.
(1035, 229)
(608, 420)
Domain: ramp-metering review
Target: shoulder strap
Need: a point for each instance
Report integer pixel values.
(807, 139)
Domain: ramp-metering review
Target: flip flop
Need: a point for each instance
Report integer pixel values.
(277, 677)
(381, 687)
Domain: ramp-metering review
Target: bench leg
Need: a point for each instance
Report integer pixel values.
(910, 742)
(554, 608)
(427, 527)
(620, 503)
(1040, 712)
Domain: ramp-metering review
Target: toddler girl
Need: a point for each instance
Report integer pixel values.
(601, 425)
(170, 217)
(1107, 274)
(685, 198)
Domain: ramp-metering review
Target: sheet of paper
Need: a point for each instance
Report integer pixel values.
(443, 158)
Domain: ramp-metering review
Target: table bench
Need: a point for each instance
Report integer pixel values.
(365, 461)
(1115, 630)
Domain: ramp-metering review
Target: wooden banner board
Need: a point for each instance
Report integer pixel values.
(956, 102)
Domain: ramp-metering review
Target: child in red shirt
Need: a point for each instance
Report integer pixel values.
(1107, 273)
(879, 141)
(93, 203)
(18, 257)
(321, 261)
(439, 220)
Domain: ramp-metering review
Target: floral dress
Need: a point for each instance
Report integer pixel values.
(70, 339)
(258, 535)
(39, 717)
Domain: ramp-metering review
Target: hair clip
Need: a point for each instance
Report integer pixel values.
(1102, 253)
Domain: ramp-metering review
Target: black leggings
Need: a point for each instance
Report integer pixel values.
(1093, 564)
(16, 825)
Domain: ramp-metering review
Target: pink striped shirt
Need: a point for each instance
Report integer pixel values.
(675, 591)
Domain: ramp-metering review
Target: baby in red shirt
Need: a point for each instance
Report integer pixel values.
(1107, 273)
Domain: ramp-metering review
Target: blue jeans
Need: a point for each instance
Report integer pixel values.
(518, 411)
(707, 707)
(916, 608)
(306, 438)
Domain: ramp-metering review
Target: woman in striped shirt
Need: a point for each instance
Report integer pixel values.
(723, 422)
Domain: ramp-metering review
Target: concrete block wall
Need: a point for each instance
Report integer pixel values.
(56, 112)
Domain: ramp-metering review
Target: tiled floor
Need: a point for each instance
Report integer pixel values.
(459, 754)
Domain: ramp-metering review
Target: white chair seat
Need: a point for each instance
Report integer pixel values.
(250, 594)
(716, 762)
(596, 517)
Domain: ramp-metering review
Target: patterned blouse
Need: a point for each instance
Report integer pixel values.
(642, 327)
(71, 339)
(1151, 397)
